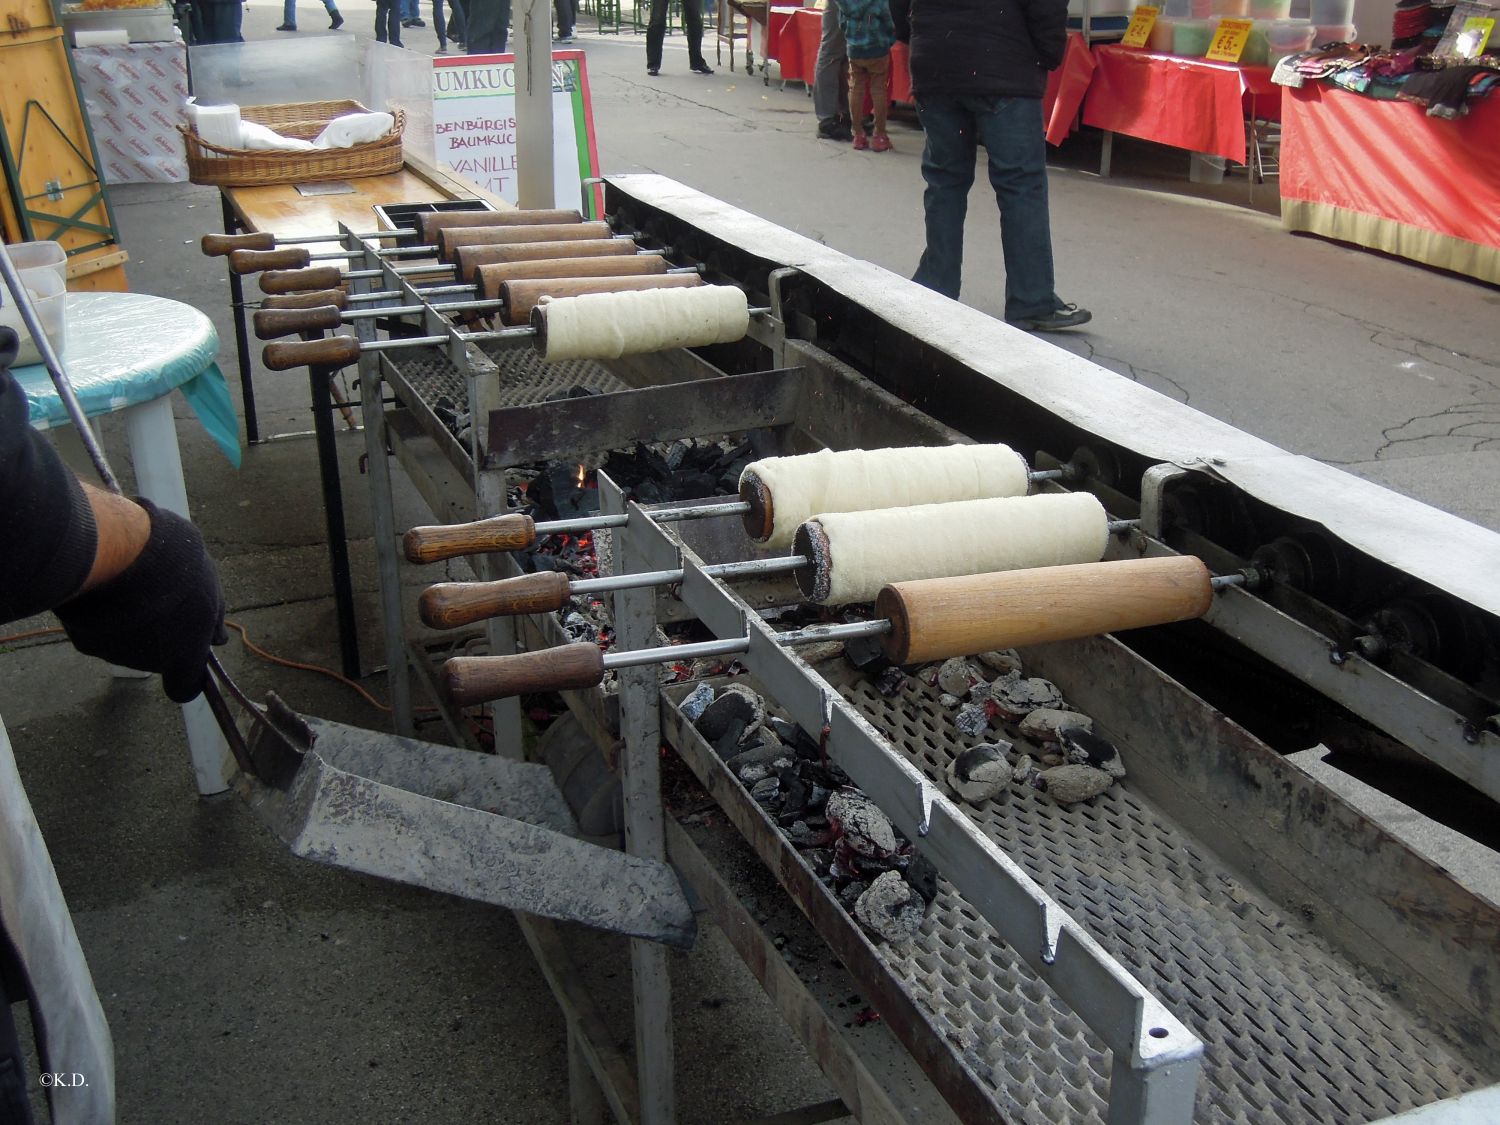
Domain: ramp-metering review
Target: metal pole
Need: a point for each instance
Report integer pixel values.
(320, 378)
(241, 336)
(535, 187)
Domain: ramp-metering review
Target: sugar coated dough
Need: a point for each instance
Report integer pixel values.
(860, 480)
(870, 549)
(610, 325)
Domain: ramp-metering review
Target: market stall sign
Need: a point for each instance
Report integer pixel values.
(1229, 41)
(474, 125)
(1141, 22)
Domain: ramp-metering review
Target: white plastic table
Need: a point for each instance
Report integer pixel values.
(126, 353)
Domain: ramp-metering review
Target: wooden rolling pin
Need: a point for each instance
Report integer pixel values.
(450, 239)
(479, 679)
(450, 541)
(312, 299)
(301, 280)
(936, 618)
(489, 279)
(470, 258)
(430, 223)
(520, 297)
(448, 605)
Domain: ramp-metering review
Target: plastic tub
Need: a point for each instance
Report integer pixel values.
(40, 255)
(1331, 13)
(49, 294)
(1233, 9)
(1257, 49)
(1200, 9)
(1192, 37)
(1161, 36)
(1177, 9)
(1289, 36)
(1270, 9)
(1335, 34)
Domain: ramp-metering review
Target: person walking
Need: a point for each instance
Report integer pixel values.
(656, 34)
(289, 16)
(388, 22)
(489, 26)
(978, 72)
(567, 18)
(450, 25)
(411, 13)
(831, 79)
(869, 31)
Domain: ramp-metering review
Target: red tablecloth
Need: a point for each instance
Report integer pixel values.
(1187, 103)
(776, 24)
(795, 48)
(1065, 89)
(1383, 174)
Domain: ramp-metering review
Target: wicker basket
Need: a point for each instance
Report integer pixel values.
(208, 163)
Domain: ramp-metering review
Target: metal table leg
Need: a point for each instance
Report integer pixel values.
(319, 379)
(241, 336)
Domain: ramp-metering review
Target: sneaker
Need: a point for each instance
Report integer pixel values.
(287, 27)
(1067, 316)
(880, 142)
(833, 129)
(653, 71)
(418, 23)
(407, 23)
(861, 142)
(701, 67)
(338, 22)
(565, 37)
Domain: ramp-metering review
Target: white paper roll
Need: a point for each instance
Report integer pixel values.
(610, 325)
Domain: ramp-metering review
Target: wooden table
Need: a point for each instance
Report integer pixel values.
(281, 209)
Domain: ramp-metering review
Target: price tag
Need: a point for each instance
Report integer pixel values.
(1229, 41)
(1474, 37)
(1141, 23)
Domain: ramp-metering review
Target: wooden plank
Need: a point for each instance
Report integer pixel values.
(279, 208)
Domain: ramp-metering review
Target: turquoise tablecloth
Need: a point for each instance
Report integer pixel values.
(123, 349)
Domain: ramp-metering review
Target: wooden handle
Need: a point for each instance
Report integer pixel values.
(468, 680)
(936, 618)
(490, 277)
(470, 258)
(331, 351)
(434, 221)
(272, 324)
(451, 604)
(254, 261)
(520, 297)
(453, 237)
(217, 245)
(312, 299)
(761, 518)
(300, 281)
(449, 541)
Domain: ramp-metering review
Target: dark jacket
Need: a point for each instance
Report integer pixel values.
(990, 47)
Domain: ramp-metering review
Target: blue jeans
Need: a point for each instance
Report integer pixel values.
(410, 10)
(1011, 131)
(289, 11)
(456, 22)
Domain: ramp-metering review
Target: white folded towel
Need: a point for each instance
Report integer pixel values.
(354, 129)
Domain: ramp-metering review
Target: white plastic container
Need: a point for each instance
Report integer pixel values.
(49, 294)
(143, 25)
(40, 255)
(1288, 37)
(1331, 13)
(1336, 34)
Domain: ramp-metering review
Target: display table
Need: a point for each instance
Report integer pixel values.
(1384, 175)
(134, 94)
(126, 353)
(1186, 103)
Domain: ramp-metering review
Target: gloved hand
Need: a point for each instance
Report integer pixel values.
(160, 613)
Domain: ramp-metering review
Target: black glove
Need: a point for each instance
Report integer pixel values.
(160, 613)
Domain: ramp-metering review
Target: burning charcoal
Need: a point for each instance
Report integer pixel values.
(972, 720)
(850, 895)
(580, 628)
(980, 772)
(784, 729)
(782, 763)
(1025, 769)
(756, 756)
(1015, 699)
(765, 790)
(819, 859)
(922, 874)
(866, 655)
(950, 702)
(818, 653)
(1003, 661)
(757, 705)
(677, 452)
(795, 793)
(695, 701)
(804, 835)
(754, 774)
(1053, 759)
(891, 682)
(890, 909)
(817, 796)
(1082, 746)
(1069, 784)
(731, 713)
(1043, 724)
(957, 675)
(860, 824)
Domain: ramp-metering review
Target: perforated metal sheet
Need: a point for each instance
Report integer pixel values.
(1292, 1032)
(524, 376)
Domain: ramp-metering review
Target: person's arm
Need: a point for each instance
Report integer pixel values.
(130, 582)
(901, 17)
(1047, 24)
